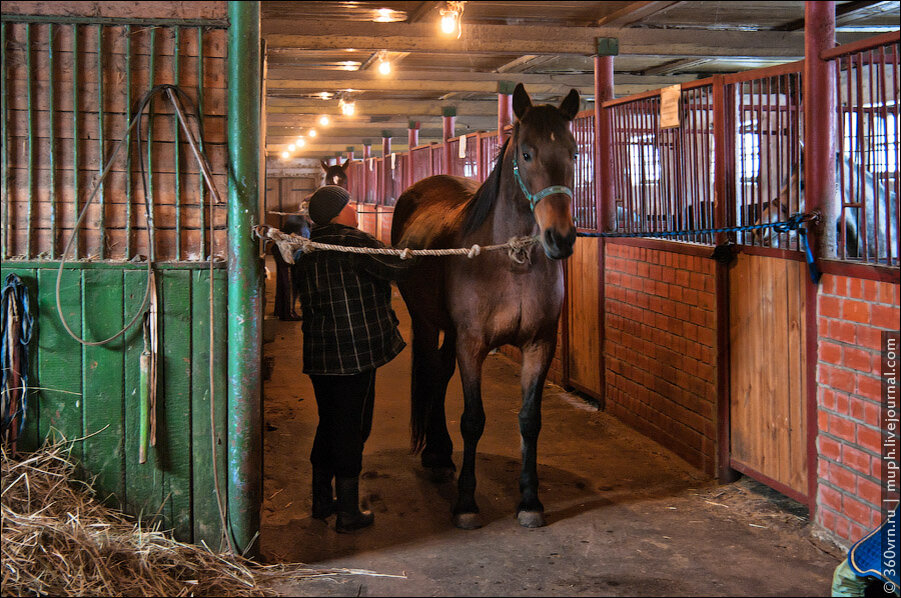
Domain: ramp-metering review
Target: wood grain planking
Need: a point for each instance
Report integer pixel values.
(582, 294)
(174, 401)
(797, 353)
(104, 383)
(60, 360)
(206, 522)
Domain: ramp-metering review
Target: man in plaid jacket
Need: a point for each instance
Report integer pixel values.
(349, 330)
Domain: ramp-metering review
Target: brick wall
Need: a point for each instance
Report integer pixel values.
(852, 313)
(660, 348)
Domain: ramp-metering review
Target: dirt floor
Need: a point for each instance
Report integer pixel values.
(626, 517)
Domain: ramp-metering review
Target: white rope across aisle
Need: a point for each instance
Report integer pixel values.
(517, 247)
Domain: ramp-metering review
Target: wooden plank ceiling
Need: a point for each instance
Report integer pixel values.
(320, 52)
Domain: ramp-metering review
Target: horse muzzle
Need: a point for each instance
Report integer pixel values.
(557, 245)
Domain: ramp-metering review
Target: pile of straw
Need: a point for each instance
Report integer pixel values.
(58, 540)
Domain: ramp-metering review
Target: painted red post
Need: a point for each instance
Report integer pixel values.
(504, 107)
(412, 141)
(449, 116)
(819, 183)
(603, 130)
(819, 129)
(364, 175)
(386, 167)
(607, 48)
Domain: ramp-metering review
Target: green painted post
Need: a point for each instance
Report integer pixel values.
(245, 290)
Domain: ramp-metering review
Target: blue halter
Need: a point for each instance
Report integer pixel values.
(535, 198)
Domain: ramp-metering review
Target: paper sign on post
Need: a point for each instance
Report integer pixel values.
(462, 152)
(669, 106)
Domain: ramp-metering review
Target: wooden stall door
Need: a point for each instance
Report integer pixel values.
(767, 372)
(583, 320)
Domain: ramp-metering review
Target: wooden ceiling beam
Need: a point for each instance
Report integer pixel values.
(634, 12)
(307, 34)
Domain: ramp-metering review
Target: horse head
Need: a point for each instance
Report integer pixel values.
(544, 154)
(335, 175)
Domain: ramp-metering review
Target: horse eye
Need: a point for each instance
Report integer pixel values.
(526, 156)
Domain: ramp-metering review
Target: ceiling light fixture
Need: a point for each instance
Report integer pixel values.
(384, 64)
(324, 120)
(301, 142)
(452, 18)
(347, 108)
(285, 155)
(311, 133)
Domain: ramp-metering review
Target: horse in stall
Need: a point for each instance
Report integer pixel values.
(335, 174)
(483, 303)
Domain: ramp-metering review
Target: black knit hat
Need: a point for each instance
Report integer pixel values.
(327, 202)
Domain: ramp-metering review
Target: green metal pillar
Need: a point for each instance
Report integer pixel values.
(245, 283)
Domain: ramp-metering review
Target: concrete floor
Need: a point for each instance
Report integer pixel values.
(626, 517)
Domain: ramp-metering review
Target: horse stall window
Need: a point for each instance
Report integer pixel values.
(64, 121)
(584, 204)
(664, 176)
(768, 179)
(867, 147)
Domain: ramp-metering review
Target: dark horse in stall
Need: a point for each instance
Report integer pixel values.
(335, 174)
(491, 300)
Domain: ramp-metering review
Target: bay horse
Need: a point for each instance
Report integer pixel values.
(335, 174)
(482, 303)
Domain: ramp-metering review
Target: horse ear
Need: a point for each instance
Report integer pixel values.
(570, 105)
(521, 101)
(324, 165)
(346, 164)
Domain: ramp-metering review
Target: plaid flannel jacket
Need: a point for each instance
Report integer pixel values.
(348, 323)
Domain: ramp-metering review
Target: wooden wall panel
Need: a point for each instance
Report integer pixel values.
(584, 348)
(767, 370)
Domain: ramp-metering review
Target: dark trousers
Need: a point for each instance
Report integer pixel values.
(284, 290)
(345, 420)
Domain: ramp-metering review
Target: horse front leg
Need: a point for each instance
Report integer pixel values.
(470, 357)
(536, 360)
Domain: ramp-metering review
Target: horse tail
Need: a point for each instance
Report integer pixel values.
(432, 368)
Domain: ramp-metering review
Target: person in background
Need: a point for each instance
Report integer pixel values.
(349, 331)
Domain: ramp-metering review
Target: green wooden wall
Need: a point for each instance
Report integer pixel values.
(92, 392)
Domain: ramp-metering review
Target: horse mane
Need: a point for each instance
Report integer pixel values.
(483, 200)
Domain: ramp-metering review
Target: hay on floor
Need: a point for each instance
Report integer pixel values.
(58, 540)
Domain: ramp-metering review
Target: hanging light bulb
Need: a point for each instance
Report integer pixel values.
(311, 133)
(384, 63)
(451, 18)
(291, 148)
(347, 108)
(324, 120)
(301, 142)
(285, 155)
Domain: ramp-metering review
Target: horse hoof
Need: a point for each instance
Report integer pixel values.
(441, 475)
(531, 518)
(468, 521)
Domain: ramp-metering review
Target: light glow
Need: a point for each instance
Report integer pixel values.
(324, 120)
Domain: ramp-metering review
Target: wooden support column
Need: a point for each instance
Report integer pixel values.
(412, 141)
(819, 182)
(607, 48)
(386, 166)
(504, 107)
(449, 115)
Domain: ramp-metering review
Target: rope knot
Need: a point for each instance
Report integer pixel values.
(405, 254)
(519, 249)
(474, 251)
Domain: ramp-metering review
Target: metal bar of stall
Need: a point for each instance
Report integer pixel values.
(841, 127)
(52, 138)
(4, 150)
(76, 141)
(895, 58)
(881, 103)
(101, 198)
(176, 148)
(30, 106)
(148, 199)
(129, 196)
(201, 186)
(861, 173)
(873, 160)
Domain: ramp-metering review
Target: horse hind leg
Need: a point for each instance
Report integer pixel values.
(433, 367)
(472, 424)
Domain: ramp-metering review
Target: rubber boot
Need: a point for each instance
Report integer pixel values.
(350, 517)
(324, 504)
